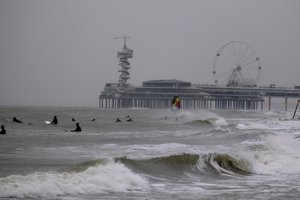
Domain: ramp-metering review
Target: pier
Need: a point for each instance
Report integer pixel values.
(264, 92)
(158, 94)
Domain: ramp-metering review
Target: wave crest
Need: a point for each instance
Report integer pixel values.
(179, 165)
(226, 164)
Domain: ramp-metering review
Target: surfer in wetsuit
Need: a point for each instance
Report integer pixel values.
(77, 129)
(118, 120)
(3, 131)
(16, 120)
(54, 121)
(129, 120)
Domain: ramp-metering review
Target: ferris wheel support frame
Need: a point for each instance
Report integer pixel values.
(236, 76)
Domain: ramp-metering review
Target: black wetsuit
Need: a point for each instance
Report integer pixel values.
(3, 131)
(16, 120)
(77, 129)
(54, 121)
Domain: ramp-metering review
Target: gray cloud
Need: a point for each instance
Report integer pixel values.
(63, 52)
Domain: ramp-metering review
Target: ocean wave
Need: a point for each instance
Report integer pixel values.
(208, 122)
(275, 154)
(174, 166)
(201, 118)
(268, 125)
(93, 177)
(85, 165)
(226, 164)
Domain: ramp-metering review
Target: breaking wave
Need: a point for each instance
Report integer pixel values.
(197, 118)
(271, 154)
(175, 166)
(226, 164)
(121, 175)
(275, 154)
(208, 122)
(93, 177)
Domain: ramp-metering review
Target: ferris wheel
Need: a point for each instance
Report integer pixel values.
(236, 64)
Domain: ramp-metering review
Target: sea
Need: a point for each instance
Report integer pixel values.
(160, 154)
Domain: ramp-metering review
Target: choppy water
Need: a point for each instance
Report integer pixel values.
(187, 155)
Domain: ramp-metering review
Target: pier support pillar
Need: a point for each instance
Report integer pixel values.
(285, 103)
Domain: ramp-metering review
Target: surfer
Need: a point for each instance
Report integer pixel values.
(73, 120)
(93, 120)
(175, 103)
(3, 131)
(54, 121)
(118, 120)
(129, 120)
(16, 120)
(77, 129)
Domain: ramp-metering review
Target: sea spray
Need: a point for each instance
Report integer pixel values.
(202, 117)
(274, 154)
(268, 124)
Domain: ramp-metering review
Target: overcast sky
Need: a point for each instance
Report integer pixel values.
(62, 52)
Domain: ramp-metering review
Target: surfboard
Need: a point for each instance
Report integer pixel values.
(47, 122)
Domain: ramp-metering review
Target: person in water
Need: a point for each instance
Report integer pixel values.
(73, 120)
(3, 131)
(54, 121)
(77, 129)
(16, 120)
(118, 120)
(129, 120)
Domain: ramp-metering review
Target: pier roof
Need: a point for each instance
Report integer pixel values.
(166, 83)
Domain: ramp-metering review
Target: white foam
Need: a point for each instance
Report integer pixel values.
(188, 115)
(221, 121)
(110, 177)
(242, 126)
(268, 125)
(277, 154)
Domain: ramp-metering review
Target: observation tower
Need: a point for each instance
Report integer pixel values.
(123, 55)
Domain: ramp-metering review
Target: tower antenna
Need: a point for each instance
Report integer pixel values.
(124, 37)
